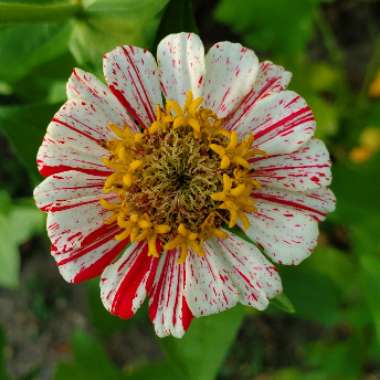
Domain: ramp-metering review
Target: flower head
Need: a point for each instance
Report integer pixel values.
(147, 176)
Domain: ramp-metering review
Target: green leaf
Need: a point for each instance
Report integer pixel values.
(282, 302)
(314, 295)
(90, 361)
(326, 116)
(357, 191)
(25, 127)
(341, 360)
(319, 83)
(199, 354)
(108, 24)
(239, 232)
(25, 46)
(5, 203)
(291, 23)
(46, 82)
(105, 323)
(177, 17)
(335, 264)
(367, 247)
(16, 226)
(156, 371)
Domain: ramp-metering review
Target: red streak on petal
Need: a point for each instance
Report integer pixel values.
(122, 304)
(97, 267)
(46, 170)
(146, 104)
(63, 123)
(286, 202)
(124, 102)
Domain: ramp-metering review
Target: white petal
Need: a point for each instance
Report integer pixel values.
(252, 274)
(316, 203)
(89, 258)
(74, 140)
(86, 87)
(231, 271)
(288, 236)
(209, 287)
(168, 308)
(281, 123)
(81, 244)
(181, 63)
(59, 188)
(126, 282)
(132, 76)
(231, 70)
(270, 79)
(69, 227)
(307, 168)
(55, 156)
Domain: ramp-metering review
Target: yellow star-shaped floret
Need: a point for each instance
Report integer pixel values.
(236, 153)
(185, 240)
(188, 116)
(236, 200)
(138, 228)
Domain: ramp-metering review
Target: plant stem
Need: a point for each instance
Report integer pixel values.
(331, 44)
(23, 12)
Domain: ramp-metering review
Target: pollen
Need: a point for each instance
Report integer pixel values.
(179, 182)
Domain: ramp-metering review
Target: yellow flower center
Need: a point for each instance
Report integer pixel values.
(179, 181)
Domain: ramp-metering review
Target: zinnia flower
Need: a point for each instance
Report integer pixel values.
(150, 177)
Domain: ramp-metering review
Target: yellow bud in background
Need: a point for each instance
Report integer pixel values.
(374, 88)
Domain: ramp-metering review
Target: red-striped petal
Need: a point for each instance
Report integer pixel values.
(307, 168)
(316, 203)
(231, 271)
(88, 258)
(69, 226)
(256, 279)
(125, 283)
(231, 70)
(209, 287)
(58, 189)
(168, 308)
(270, 79)
(74, 140)
(287, 235)
(281, 123)
(86, 87)
(132, 76)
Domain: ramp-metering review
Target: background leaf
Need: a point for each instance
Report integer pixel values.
(26, 132)
(204, 344)
(90, 362)
(177, 17)
(18, 222)
(123, 21)
(25, 46)
(290, 26)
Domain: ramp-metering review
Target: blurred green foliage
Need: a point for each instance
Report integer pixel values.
(87, 351)
(336, 293)
(262, 23)
(18, 222)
